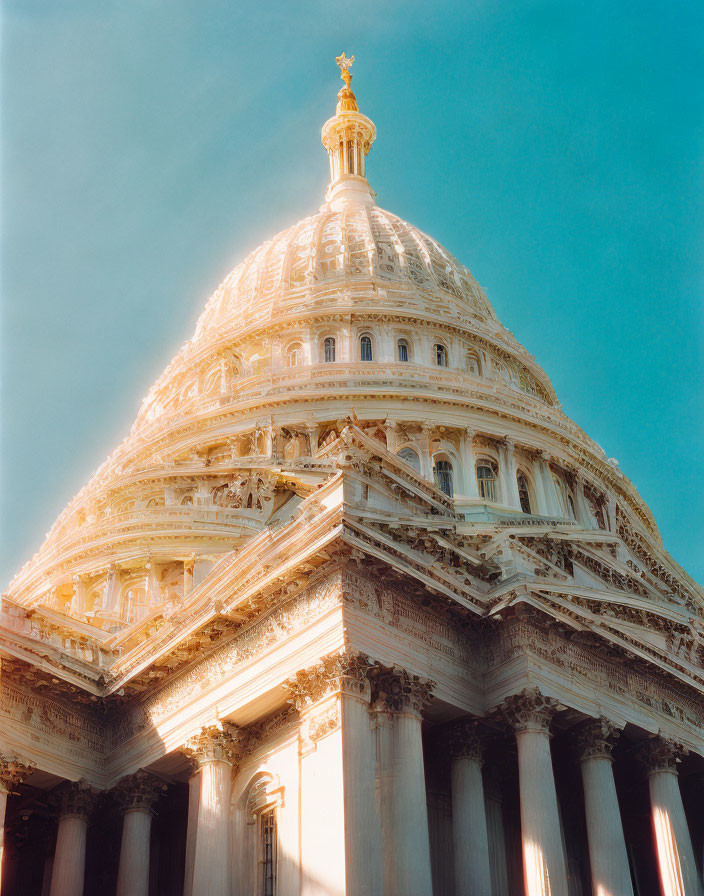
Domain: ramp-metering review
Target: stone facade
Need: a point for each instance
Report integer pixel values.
(355, 610)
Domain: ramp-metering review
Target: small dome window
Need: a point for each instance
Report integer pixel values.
(442, 473)
(486, 480)
(403, 350)
(329, 350)
(440, 354)
(365, 348)
(294, 355)
(523, 492)
(411, 458)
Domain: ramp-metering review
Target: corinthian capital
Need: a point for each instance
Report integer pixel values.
(530, 710)
(138, 791)
(596, 739)
(660, 754)
(13, 771)
(465, 739)
(74, 798)
(221, 742)
(343, 672)
(395, 690)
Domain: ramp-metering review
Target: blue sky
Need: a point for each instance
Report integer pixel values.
(557, 148)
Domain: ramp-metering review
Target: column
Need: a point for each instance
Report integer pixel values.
(583, 512)
(469, 471)
(391, 434)
(493, 798)
(673, 844)
(191, 830)
(544, 867)
(511, 497)
(75, 801)
(215, 750)
(469, 823)
(12, 773)
(136, 794)
(551, 501)
(336, 693)
(403, 696)
(611, 875)
(426, 463)
(540, 495)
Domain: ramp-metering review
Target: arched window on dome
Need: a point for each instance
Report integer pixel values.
(409, 456)
(186, 500)
(472, 365)
(442, 474)
(440, 354)
(329, 350)
(486, 479)
(523, 492)
(403, 350)
(294, 354)
(365, 348)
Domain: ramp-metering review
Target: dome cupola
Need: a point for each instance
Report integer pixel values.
(348, 137)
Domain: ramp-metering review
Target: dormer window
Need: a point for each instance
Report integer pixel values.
(403, 353)
(365, 348)
(443, 476)
(329, 350)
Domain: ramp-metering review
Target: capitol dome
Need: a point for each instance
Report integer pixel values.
(350, 314)
(352, 604)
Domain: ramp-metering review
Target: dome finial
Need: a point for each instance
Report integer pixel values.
(345, 66)
(347, 101)
(348, 137)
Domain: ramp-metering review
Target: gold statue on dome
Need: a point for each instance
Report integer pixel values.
(345, 66)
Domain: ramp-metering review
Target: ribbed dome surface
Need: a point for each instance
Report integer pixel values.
(322, 258)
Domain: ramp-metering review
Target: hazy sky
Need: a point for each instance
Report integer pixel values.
(556, 148)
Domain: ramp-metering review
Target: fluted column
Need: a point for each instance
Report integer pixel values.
(469, 824)
(215, 750)
(403, 696)
(544, 867)
(673, 844)
(12, 773)
(611, 875)
(75, 803)
(469, 471)
(426, 462)
(136, 794)
(512, 498)
(551, 501)
(338, 691)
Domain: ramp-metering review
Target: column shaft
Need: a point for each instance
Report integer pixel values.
(469, 472)
(410, 810)
(469, 829)
(678, 871)
(611, 875)
(133, 873)
(212, 871)
(363, 857)
(70, 857)
(191, 832)
(544, 866)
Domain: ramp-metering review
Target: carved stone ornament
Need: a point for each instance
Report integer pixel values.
(139, 791)
(74, 798)
(220, 742)
(339, 672)
(530, 710)
(395, 690)
(660, 754)
(13, 772)
(596, 739)
(466, 740)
